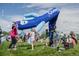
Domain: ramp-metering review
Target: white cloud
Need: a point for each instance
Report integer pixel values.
(16, 18)
(41, 12)
(5, 25)
(44, 5)
(40, 5)
(68, 20)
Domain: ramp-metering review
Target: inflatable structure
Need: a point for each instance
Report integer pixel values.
(50, 17)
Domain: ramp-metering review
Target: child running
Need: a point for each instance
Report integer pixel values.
(31, 39)
(13, 34)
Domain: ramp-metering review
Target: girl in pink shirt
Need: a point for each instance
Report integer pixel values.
(13, 34)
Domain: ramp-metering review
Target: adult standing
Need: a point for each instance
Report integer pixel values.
(0, 36)
(55, 39)
(46, 37)
(52, 28)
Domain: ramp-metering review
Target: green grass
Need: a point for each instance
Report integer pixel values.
(24, 49)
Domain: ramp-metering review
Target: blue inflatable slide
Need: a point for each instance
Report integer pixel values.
(51, 17)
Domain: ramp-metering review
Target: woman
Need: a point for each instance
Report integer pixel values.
(70, 41)
(74, 38)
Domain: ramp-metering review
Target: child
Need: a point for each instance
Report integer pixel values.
(32, 37)
(13, 34)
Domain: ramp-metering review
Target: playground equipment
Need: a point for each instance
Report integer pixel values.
(51, 17)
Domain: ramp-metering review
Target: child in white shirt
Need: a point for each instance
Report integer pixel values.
(32, 38)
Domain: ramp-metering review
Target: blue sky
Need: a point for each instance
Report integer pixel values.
(69, 13)
(21, 9)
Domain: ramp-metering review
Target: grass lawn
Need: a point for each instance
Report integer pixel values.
(24, 49)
